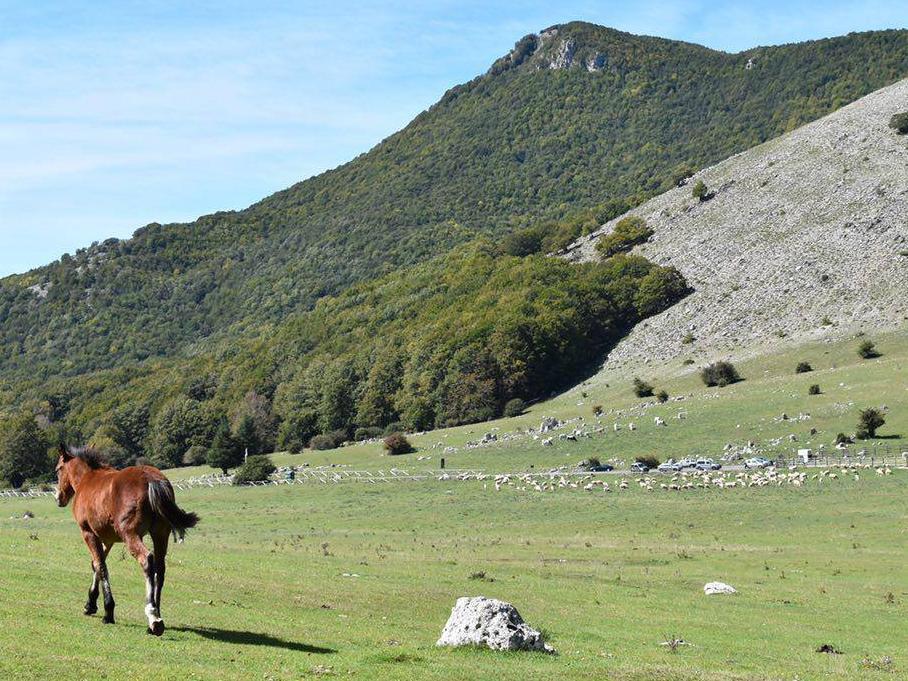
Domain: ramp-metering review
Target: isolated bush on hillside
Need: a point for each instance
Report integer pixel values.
(628, 232)
(589, 464)
(514, 407)
(867, 350)
(899, 123)
(842, 439)
(803, 368)
(662, 396)
(814, 389)
(720, 374)
(397, 443)
(256, 469)
(597, 410)
(648, 460)
(642, 388)
(868, 422)
(701, 191)
(322, 442)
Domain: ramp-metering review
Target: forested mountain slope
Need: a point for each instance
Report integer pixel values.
(578, 117)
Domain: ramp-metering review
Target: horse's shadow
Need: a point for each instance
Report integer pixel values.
(249, 638)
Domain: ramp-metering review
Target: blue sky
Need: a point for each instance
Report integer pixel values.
(116, 114)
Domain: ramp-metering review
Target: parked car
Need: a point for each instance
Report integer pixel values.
(602, 468)
(707, 465)
(687, 463)
(639, 467)
(757, 462)
(670, 466)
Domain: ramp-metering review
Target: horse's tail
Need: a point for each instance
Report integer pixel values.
(163, 504)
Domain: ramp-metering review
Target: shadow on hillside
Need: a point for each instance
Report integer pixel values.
(888, 437)
(249, 638)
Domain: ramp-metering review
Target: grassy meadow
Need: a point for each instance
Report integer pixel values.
(357, 580)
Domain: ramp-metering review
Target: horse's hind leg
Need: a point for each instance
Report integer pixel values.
(91, 605)
(99, 565)
(147, 561)
(161, 537)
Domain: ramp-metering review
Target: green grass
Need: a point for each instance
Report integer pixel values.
(258, 590)
(749, 410)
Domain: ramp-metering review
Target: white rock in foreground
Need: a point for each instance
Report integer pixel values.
(489, 622)
(718, 588)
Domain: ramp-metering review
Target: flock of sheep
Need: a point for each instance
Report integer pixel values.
(683, 480)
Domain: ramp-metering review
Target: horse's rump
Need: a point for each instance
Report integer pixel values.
(163, 503)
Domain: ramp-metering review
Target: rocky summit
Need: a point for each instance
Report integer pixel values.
(804, 237)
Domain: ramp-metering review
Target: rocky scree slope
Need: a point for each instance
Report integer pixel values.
(806, 237)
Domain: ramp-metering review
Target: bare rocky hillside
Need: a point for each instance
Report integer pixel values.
(806, 237)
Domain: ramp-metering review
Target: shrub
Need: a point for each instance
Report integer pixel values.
(803, 368)
(323, 442)
(395, 427)
(868, 422)
(588, 464)
(842, 439)
(642, 388)
(397, 443)
(597, 410)
(701, 191)
(688, 338)
(628, 232)
(514, 407)
(662, 396)
(687, 362)
(256, 469)
(367, 433)
(867, 350)
(648, 460)
(814, 389)
(720, 374)
(899, 123)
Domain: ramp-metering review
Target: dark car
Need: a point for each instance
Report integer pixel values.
(602, 468)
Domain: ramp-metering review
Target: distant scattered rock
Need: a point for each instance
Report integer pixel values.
(481, 621)
(713, 588)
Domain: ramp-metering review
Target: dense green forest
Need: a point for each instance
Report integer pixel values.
(526, 155)
(446, 342)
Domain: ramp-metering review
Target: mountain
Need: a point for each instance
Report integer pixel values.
(804, 238)
(391, 288)
(577, 117)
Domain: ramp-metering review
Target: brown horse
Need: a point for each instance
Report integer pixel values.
(112, 505)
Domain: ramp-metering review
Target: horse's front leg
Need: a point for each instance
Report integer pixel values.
(91, 605)
(101, 577)
(146, 560)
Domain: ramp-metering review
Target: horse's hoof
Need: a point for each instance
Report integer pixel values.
(156, 629)
(108, 619)
(89, 610)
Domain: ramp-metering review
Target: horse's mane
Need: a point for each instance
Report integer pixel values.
(94, 458)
